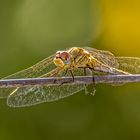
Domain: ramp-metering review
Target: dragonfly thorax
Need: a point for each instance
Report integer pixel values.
(80, 57)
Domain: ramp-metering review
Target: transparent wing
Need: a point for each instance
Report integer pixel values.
(36, 70)
(38, 94)
(105, 57)
(129, 64)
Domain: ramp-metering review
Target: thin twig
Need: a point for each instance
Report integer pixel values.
(107, 79)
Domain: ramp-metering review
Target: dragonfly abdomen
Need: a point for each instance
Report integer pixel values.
(99, 66)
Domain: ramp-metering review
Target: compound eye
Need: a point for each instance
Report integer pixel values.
(65, 56)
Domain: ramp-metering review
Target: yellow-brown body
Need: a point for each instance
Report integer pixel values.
(80, 58)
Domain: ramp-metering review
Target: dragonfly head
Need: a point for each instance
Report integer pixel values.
(62, 58)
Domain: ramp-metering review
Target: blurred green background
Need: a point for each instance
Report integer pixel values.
(31, 30)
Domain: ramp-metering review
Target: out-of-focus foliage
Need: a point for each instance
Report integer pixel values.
(32, 30)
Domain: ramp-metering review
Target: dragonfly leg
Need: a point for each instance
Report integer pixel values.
(85, 74)
(54, 81)
(66, 72)
(71, 75)
(93, 83)
(87, 91)
(85, 85)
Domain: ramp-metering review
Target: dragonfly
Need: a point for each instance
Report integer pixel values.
(76, 61)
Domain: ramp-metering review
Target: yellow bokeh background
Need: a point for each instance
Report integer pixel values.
(120, 26)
